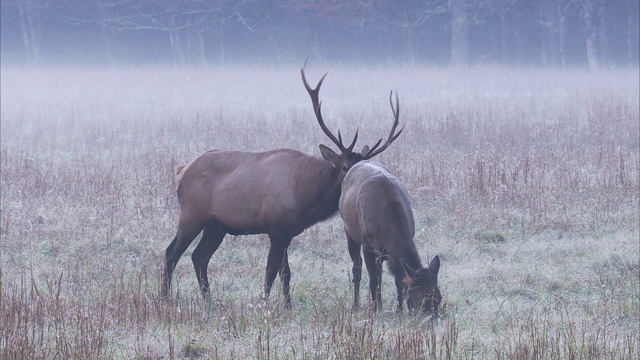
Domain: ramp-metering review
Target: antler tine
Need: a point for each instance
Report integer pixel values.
(396, 113)
(353, 143)
(392, 135)
(317, 104)
(373, 148)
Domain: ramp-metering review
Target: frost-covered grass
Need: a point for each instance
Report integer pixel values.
(525, 182)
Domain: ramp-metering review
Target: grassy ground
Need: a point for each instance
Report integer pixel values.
(525, 182)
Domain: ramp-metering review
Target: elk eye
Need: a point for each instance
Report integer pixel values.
(345, 168)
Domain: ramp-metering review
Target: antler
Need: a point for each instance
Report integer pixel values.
(317, 104)
(392, 135)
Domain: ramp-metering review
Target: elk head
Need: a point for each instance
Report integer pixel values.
(348, 157)
(422, 287)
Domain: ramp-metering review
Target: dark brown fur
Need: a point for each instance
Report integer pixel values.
(278, 192)
(377, 216)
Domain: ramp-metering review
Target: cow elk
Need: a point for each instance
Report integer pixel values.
(377, 216)
(279, 193)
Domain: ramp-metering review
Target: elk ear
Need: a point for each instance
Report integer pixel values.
(365, 150)
(409, 275)
(434, 266)
(329, 154)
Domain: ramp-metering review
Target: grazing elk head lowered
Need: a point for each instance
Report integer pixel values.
(377, 216)
(279, 193)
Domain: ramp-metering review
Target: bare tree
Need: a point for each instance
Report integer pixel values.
(501, 14)
(318, 15)
(409, 20)
(186, 22)
(196, 32)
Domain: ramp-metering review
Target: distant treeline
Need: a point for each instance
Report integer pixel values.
(594, 33)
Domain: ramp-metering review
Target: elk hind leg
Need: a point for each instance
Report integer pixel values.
(184, 237)
(354, 252)
(374, 268)
(212, 237)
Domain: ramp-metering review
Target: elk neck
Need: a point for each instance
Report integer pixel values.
(319, 189)
(405, 252)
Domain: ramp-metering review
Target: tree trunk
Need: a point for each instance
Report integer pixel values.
(589, 15)
(551, 35)
(411, 54)
(29, 25)
(26, 39)
(629, 34)
(494, 41)
(459, 33)
(221, 42)
(201, 52)
(545, 45)
(563, 35)
(176, 46)
(504, 38)
(33, 19)
(188, 53)
(603, 43)
(108, 44)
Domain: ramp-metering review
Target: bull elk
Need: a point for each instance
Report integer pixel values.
(279, 193)
(377, 216)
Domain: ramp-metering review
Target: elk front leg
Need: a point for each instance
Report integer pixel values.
(278, 262)
(399, 292)
(285, 277)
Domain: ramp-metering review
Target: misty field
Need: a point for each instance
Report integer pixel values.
(525, 182)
